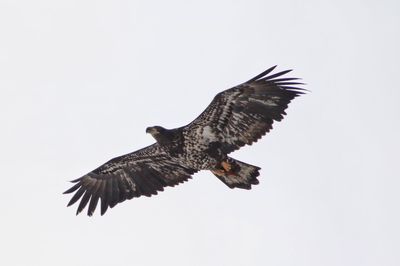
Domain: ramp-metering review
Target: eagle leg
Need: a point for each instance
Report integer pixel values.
(226, 166)
(218, 172)
(222, 172)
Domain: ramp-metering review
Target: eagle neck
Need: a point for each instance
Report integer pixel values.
(172, 140)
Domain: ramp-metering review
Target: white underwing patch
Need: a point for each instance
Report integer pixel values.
(208, 134)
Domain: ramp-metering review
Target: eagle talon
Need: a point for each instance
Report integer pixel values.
(226, 166)
(218, 172)
(222, 172)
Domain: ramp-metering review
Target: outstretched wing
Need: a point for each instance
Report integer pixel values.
(243, 114)
(143, 172)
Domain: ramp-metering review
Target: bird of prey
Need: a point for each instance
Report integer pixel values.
(237, 116)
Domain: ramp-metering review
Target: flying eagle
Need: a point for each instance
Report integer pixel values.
(235, 117)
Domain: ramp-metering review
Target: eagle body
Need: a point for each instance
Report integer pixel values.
(236, 117)
(199, 155)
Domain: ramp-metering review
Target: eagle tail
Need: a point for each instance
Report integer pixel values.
(237, 174)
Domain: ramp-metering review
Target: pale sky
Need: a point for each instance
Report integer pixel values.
(81, 80)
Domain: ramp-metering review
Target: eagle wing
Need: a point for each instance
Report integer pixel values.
(143, 172)
(243, 114)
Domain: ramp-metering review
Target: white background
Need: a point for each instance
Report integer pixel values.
(81, 80)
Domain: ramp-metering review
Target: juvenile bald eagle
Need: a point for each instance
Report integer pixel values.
(237, 116)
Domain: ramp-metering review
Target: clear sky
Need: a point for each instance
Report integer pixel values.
(81, 80)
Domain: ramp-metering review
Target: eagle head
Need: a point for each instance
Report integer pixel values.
(157, 132)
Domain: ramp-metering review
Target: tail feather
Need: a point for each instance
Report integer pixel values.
(242, 175)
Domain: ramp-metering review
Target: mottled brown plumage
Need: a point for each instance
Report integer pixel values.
(236, 117)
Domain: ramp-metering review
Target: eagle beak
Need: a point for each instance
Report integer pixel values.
(151, 130)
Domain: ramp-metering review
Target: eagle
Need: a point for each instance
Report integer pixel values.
(235, 117)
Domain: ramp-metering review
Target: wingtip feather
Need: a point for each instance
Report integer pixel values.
(72, 189)
(278, 74)
(266, 72)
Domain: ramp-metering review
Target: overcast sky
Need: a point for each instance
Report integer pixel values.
(81, 80)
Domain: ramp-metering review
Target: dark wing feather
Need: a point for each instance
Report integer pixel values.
(144, 172)
(243, 114)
